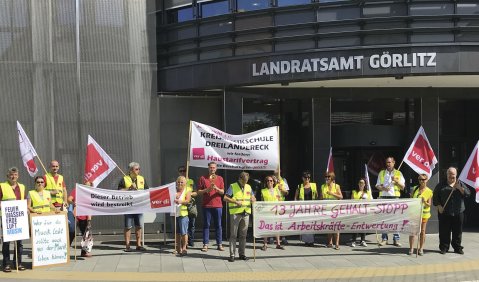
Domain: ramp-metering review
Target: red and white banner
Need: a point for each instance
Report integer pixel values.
(346, 216)
(27, 151)
(97, 163)
(330, 166)
(470, 172)
(420, 156)
(257, 150)
(97, 201)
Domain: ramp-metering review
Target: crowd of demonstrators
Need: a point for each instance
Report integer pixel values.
(307, 191)
(360, 193)
(425, 194)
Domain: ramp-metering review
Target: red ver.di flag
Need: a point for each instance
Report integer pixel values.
(97, 163)
(470, 172)
(258, 150)
(420, 156)
(330, 166)
(27, 151)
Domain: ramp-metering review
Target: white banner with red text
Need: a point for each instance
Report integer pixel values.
(97, 201)
(257, 150)
(346, 216)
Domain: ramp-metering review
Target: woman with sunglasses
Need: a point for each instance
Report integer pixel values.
(307, 191)
(271, 194)
(331, 191)
(39, 200)
(360, 193)
(425, 193)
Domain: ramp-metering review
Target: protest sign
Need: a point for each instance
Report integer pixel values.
(257, 150)
(348, 216)
(96, 201)
(15, 220)
(50, 244)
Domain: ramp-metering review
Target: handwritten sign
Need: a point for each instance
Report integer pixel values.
(15, 220)
(49, 239)
(348, 216)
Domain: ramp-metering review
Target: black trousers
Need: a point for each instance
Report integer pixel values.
(450, 224)
(82, 224)
(6, 252)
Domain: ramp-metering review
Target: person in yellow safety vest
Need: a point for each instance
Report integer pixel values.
(182, 199)
(239, 197)
(360, 193)
(132, 182)
(307, 191)
(271, 193)
(425, 194)
(331, 191)
(283, 186)
(55, 184)
(39, 200)
(190, 185)
(390, 184)
(11, 190)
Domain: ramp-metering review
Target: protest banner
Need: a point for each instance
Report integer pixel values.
(257, 150)
(348, 216)
(50, 245)
(96, 201)
(15, 220)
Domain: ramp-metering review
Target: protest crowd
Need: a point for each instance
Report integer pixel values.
(317, 208)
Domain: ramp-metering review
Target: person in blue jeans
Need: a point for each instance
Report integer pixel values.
(212, 188)
(390, 184)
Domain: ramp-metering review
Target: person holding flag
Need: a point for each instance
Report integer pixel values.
(390, 184)
(182, 199)
(425, 194)
(12, 190)
(448, 197)
(360, 193)
(56, 186)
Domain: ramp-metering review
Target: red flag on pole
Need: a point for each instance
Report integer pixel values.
(27, 151)
(97, 163)
(420, 156)
(470, 172)
(330, 166)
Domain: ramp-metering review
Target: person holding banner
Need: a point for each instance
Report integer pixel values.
(271, 194)
(212, 187)
(283, 187)
(331, 191)
(307, 191)
(192, 210)
(448, 197)
(83, 222)
(239, 197)
(360, 193)
(39, 200)
(425, 193)
(182, 199)
(390, 184)
(131, 182)
(12, 190)
(55, 184)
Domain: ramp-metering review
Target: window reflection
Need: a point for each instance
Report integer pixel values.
(292, 2)
(180, 15)
(211, 9)
(252, 5)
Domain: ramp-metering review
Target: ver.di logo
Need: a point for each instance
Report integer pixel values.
(198, 153)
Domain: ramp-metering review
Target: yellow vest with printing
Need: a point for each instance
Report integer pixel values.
(267, 197)
(426, 194)
(9, 194)
(51, 185)
(183, 208)
(314, 190)
(244, 196)
(140, 182)
(39, 203)
(325, 189)
(397, 174)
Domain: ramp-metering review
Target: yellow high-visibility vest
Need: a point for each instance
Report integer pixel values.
(244, 196)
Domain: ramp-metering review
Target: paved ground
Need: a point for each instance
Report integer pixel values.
(388, 263)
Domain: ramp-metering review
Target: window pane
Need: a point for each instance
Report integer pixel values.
(292, 2)
(180, 15)
(211, 9)
(251, 5)
(468, 9)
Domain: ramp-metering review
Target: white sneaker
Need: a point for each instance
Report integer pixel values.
(363, 244)
(353, 244)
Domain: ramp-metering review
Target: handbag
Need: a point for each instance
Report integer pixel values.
(192, 210)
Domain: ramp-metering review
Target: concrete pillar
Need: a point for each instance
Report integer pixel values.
(321, 135)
